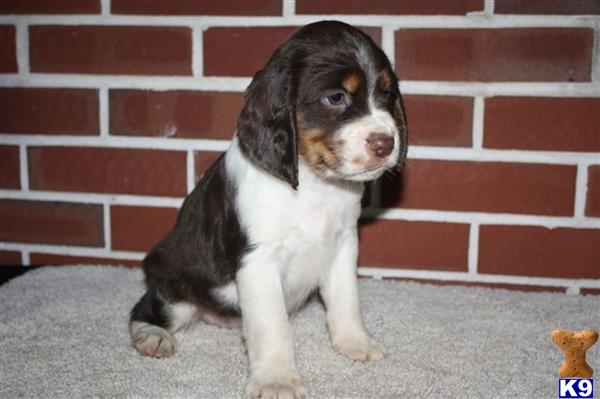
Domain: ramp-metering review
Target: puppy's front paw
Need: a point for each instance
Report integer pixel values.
(360, 347)
(275, 385)
(152, 341)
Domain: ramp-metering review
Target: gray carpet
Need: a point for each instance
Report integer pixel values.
(64, 335)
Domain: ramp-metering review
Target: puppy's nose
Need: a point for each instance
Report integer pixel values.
(381, 144)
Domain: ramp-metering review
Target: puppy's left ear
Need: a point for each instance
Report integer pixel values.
(400, 119)
(266, 128)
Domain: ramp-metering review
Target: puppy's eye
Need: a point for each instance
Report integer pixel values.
(388, 94)
(336, 99)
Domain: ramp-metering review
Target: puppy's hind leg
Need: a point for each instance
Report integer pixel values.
(153, 323)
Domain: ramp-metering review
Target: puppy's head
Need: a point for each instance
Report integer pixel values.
(330, 96)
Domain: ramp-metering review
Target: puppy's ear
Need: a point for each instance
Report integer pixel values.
(266, 128)
(388, 80)
(400, 119)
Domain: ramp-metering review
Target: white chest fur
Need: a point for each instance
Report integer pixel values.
(302, 229)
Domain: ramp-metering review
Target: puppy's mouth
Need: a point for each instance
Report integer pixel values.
(370, 171)
(366, 174)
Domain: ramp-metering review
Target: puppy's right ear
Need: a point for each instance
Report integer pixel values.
(400, 118)
(266, 128)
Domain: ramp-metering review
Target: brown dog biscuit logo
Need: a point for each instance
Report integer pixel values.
(574, 344)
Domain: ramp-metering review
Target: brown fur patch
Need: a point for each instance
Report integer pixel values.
(351, 83)
(312, 147)
(384, 81)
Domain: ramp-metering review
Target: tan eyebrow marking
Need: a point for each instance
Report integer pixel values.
(351, 82)
(384, 81)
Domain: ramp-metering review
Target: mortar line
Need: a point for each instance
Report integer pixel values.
(191, 170)
(106, 211)
(24, 167)
(103, 112)
(473, 251)
(105, 7)
(288, 8)
(581, 189)
(478, 122)
(197, 51)
(22, 48)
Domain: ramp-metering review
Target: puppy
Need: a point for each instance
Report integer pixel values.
(275, 218)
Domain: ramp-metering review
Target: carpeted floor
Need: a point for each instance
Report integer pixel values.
(64, 335)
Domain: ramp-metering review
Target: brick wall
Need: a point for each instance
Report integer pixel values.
(111, 110)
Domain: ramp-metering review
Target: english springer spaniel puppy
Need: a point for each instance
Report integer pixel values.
(275, 218)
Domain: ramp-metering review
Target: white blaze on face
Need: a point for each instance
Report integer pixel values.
(358, 162)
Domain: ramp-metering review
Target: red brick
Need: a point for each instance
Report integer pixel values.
(185, 114)
(519, 188)
(8, 49)
(53, 259)
(388, 7)
(203, 160)
(552, 124)
(50, 7)
(9, 167)
(244, 51)
(563, 7)
(408, 245)
(51, 223)
(10, 258)
(539, 252)
(500, 286)
(197, 7)
(528, 54)
(138, 228)
(590, 291)
(49, 111)
(137, 50)
(241, 51)
(108, 170)
(592, 207)
(439, 120)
